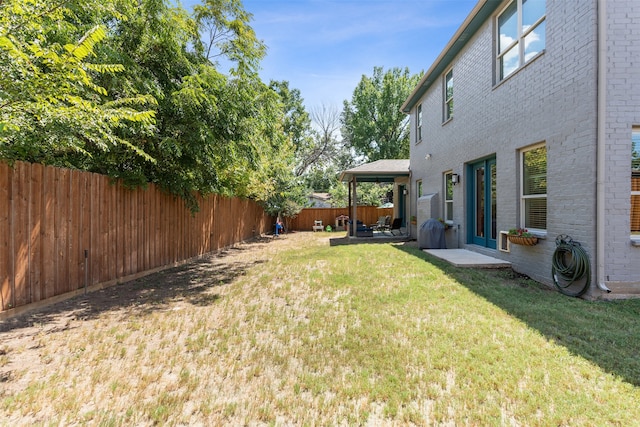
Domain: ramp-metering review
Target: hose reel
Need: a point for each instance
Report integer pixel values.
(570, 267)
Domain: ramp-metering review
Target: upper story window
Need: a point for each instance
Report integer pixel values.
(635, 183)
(419, 123)
(534, 188)
(448, 95)
(521, 35)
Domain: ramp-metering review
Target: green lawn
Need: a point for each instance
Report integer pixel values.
(308, 334)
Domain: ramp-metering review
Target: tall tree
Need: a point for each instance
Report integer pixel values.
(128, 88)
(297, 123)
(228, 35)
(51, 105)
(327, 146)
(372, 123)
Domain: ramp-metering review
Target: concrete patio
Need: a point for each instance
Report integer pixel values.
(467, 259)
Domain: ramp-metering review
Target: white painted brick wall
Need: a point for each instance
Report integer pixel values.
(552, 99)
(623, 112)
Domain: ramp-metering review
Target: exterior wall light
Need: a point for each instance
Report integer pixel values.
(455, 178)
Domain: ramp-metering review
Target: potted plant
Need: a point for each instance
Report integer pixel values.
(521, 236)
(413, 220)
(445, 223)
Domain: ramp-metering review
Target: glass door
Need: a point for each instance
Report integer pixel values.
(481, 219)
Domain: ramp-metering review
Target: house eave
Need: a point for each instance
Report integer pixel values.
(378, 171)
(476, 18)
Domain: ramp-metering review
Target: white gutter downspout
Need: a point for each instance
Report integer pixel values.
(409, 188)
(601, 143)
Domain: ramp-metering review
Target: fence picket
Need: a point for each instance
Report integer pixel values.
(35, 231)
(6, 281)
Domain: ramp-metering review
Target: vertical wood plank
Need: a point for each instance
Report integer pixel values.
(20, 231)
(217, 221)
(6, 270)
(35, 230)
(103, 200)
(133, 236)
(63, 234)
(153, 217)
(143, 214)
(132, 216)
(75, 231)
(179, 234)
(174, 228)
(95, 250)
(153, 237)
(113, 242)
(85, 227)
(123, 228)
(166, 215)
(141, 229)
(47, 232)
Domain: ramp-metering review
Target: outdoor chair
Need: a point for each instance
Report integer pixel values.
(395, 226)
(317, 225)
(384, 223)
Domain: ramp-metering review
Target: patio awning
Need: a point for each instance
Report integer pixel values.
(382, 171)
(378, 171)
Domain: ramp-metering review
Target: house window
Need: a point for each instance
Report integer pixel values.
(448, 95)
(635, 183)
(534, 188)
(521, 35)
(419, 124)
(448, 197)
(418, 189)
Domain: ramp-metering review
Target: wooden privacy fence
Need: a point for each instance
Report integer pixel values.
(304, 221)
(61, 227)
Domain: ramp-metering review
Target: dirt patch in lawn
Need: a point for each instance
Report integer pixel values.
(24, 356)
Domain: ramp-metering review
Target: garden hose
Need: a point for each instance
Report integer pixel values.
(569, 266)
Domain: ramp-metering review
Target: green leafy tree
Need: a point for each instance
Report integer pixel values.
(369, 194)
(129, 88)
(228, 35)
(51, 107)
(372, 123)
(296, 123)
(206, 138)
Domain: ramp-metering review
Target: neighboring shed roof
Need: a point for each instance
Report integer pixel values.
(378, 171)
(478, 16)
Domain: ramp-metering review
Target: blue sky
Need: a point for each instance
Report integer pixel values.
(323, 47)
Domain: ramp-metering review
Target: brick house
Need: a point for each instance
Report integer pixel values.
(530, 118)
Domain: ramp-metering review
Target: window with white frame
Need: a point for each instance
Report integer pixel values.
(533, 208)
(418, 189)
(419, 123)
(635, 183)
(448, 95)
(521, 35)
(448, 197)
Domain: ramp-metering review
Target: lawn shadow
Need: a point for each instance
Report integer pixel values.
(607, 333)
(195, 283)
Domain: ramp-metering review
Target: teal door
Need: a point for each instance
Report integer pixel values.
(481, 217)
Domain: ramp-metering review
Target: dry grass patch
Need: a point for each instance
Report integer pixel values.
(294, 332)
